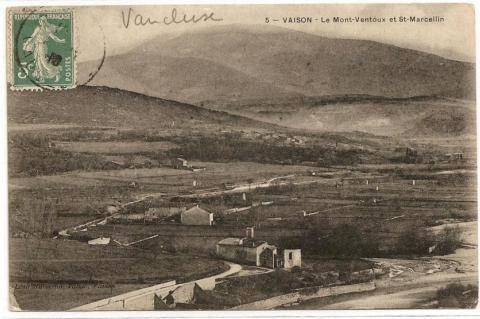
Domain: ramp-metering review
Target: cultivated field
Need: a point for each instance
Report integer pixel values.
(295, 205)
(116, 147)
(62, 274)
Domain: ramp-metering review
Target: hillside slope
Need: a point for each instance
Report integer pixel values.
(102, 106)
(235, 62)
(418, 116)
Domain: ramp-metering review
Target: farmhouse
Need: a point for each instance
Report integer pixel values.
(256, 252)
(196, 216)
(179, 163)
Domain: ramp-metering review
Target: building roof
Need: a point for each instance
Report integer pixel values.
(166, 210)
(244, 242)
(196, 210)
(252, 243)
(231, 241)
(271, 247)
(133, 216)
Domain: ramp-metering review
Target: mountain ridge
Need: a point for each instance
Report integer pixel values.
(300, 80)
(286, 62)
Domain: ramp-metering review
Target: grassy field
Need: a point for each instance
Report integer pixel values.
(389, 204)
(115, 147)
(214, 175)
(41, 269)
(62, 297)
(81, 196)
(394, 208)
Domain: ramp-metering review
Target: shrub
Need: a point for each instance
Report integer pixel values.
(344, 241)
(448, 240)
(32, 155)
(296, 269)
(413, 241)
(232, 148)
(456, 295)
(418, 241)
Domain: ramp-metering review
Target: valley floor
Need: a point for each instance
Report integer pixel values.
(52, 266)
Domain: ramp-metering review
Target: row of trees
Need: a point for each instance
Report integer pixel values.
(347, 241)
(34, 155)
(224, 149)
(33, 218)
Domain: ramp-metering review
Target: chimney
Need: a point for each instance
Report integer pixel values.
(250, 233)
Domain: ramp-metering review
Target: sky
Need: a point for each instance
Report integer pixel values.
(454, 38)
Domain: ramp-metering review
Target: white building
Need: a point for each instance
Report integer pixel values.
(196, 216)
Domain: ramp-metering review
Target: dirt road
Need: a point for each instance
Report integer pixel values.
(234, 268)
(412, 283)
(409, 296)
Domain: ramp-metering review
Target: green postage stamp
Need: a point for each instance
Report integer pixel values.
(42, 49)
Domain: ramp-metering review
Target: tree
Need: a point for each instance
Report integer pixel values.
(448, 240)
(456, 295)
(413, 241)
(345, 241)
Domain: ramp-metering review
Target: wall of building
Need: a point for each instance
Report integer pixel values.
(241, 254)
(142, 299)
(159, 304)
(194, 218)
(254, 253)
(142, 302)
(228, 252)
(151, 298)
(267, 258)
(184, 293)
(164, 211)
(292, 258)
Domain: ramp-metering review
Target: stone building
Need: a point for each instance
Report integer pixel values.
(257, 252)
(196, 216)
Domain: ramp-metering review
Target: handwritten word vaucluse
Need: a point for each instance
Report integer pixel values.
(137, 19)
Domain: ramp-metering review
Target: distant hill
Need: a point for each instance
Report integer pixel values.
(235, 63)
(444, 122)
(418, 116)
(102, 106)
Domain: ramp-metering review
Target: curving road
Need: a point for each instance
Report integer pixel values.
(405, 297)
(205, 283)
(411, 291)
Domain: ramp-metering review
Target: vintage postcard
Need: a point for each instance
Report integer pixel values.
(242, 157)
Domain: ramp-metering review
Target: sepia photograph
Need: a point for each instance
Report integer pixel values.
(241, 157)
